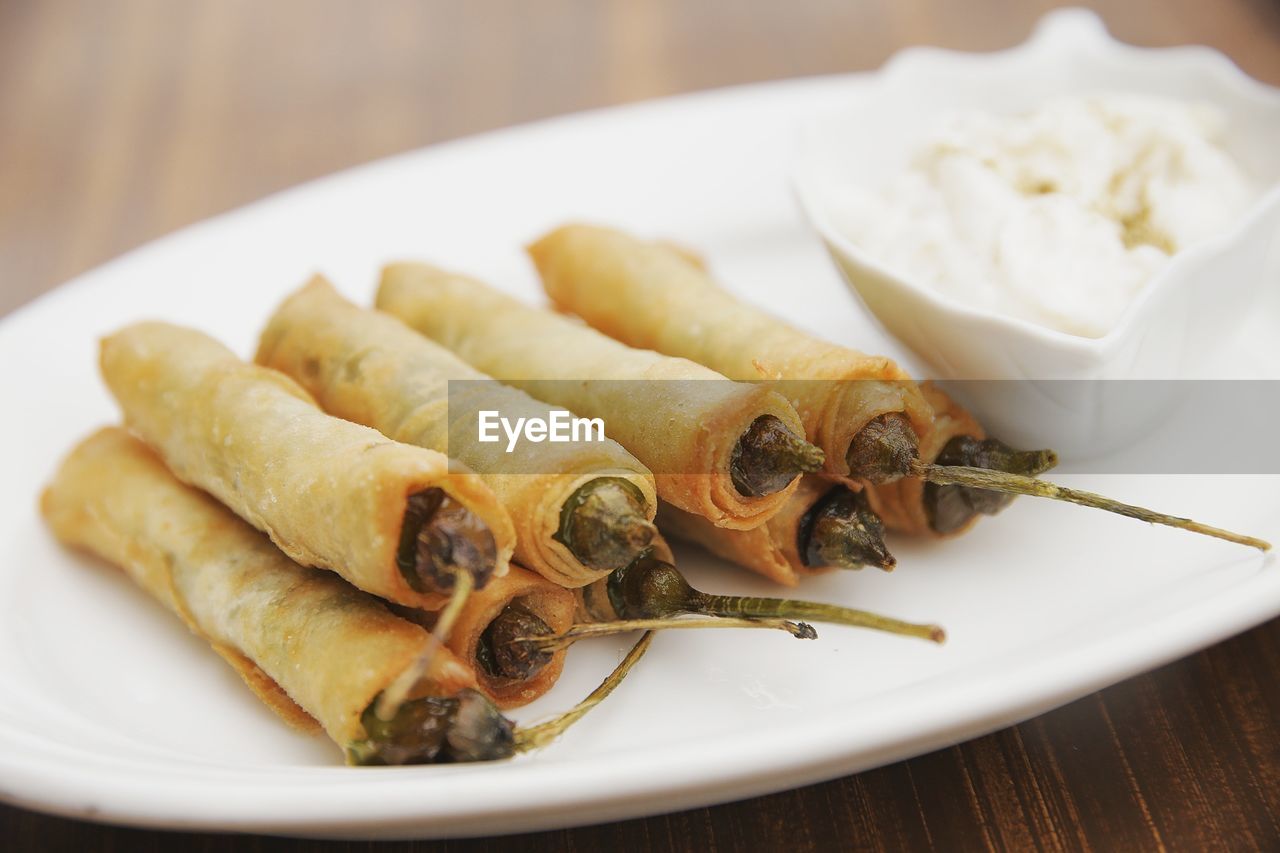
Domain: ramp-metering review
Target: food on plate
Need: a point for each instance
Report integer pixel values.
(386, 477)
(955, 438)
(824, 526)
(986, 479)
(538, 736)
(489, 631)
(651, 588)
(316, 650)
(862, 410)
(391, 518)
(731, 452)
(651, 594)
(580, 508)
(972, 475)
(1060, 215)
(608, 279)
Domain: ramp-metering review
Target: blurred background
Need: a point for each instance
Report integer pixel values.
(121, 120)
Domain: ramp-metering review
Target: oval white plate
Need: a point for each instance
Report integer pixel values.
(111, 711)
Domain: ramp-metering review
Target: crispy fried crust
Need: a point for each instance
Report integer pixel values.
(771, 549)
(653, 296)
(684, 431)
(329, 493)
(553, 604)
(370, 368)
(312, 647)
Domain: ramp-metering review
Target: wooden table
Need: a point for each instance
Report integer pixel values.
(122, 120)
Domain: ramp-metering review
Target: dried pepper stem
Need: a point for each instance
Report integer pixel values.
(535, 737)
(390, 700)
(549, 644)
(650, 588)
(1017, 484)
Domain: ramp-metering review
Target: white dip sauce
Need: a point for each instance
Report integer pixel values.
(1059, 216)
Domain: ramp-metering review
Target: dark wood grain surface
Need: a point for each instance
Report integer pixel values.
(121, 120)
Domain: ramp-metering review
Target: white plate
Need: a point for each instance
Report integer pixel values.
(109, 710)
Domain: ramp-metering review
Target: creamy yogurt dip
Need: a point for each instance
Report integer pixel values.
(1059, 216)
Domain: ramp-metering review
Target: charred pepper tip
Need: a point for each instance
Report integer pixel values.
(439, 539)
(768, 456)
(842, 530)
(503, 651)
(949, 507)
(883, 450)
(435, 730)
(1032, 463)
(604, 523)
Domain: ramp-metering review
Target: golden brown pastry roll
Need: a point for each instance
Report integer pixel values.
(824, 526)
(390, 518)
(520, 604)
(728, 451)
(580, 508)
(316, 650)
(862, 410)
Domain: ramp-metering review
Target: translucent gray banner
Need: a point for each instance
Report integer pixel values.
(1096, 426)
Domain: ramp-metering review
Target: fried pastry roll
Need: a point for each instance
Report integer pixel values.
(316, 650)
(491, 625)
(730, 452)
(390, 518)
(862, 410)
(580, 508)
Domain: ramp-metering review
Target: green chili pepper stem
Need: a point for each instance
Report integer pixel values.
(799, 630)
(535, 737)
(390, 700)
(749, 607)
(1030, 463)
(768, 456)
(650, 588)
(950, 508)
(1017, 484)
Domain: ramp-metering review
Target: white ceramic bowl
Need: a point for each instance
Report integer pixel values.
(1172, 329)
